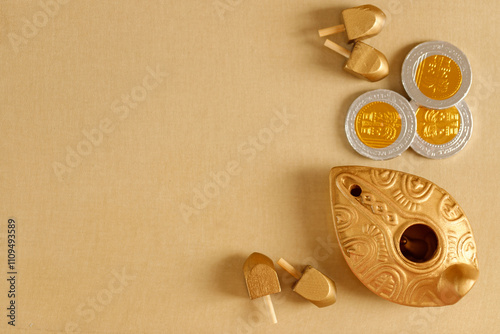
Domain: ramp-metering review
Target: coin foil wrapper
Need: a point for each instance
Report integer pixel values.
(442, 133)
(436, 74)
(405, 238)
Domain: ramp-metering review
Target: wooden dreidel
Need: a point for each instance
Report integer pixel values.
(312, 285)
(262, 280)
(359, 23)
(363, 61)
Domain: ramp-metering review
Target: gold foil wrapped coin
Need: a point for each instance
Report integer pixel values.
(380, 124)
(436, 75)
(405, 238)
(442, 133)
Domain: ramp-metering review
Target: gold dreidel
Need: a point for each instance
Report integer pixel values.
(359, 23)
(363, 61)
(312, 285)
(262, 280)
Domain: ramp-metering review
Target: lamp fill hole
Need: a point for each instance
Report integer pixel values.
(418, 243)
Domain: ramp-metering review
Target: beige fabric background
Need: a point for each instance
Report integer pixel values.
(131, 204)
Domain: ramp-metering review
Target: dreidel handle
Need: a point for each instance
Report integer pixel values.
(337, 48)
(289, 268)
(331, 30)
(269, 305)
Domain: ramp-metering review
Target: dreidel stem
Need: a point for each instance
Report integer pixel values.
(270, 308)
(289, 268)
(337, 48)
(331, 30)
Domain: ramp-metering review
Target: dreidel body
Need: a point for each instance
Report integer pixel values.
(359, 23)
(363, 61)
(312, 284)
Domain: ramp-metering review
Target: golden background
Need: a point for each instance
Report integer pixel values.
(243, 93)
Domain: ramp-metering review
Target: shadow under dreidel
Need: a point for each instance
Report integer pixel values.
(318, 19)
(230, 279)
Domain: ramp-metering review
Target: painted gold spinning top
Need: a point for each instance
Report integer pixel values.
(359, 23)
(364, 61)
(262, 280)
(405, 238)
